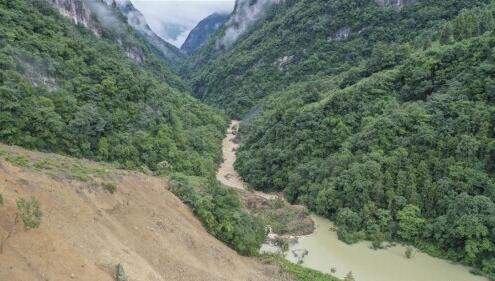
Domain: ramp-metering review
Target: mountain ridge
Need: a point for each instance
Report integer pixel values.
(202, 32)
(95, 14)
(376, 114)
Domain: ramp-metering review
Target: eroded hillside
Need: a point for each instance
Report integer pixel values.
(86, 230)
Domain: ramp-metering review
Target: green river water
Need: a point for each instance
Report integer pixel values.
(327, 252)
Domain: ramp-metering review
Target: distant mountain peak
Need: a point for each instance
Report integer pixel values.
(203, 30)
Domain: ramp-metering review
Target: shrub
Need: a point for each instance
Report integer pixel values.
(377, 241)
(1, 200)
(18, 160)
(409, 253)
(110, 187)
(221, 212)
(298, 272)
(29, 212)
(277, 203)
(163, 168)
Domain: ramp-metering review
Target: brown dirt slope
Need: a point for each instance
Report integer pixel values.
(86, 231)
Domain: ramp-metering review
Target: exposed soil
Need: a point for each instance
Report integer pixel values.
(86, 231)
(284, 219)
(226, 173)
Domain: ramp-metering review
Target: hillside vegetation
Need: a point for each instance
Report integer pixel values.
(65, 90)
(377, 114)
(301, 40)
(378, 117)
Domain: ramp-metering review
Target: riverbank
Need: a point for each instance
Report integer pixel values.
(299, 272)
(226, 173)
(285, 220)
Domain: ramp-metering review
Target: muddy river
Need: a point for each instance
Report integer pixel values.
(325, 252)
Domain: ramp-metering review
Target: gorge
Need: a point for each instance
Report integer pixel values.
(374, 118)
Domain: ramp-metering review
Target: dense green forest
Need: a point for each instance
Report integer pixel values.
(220, 210)
(380, 118)
(65, 90)
(309, 34)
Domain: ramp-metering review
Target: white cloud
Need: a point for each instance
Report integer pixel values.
(247, 13)
(183, 13)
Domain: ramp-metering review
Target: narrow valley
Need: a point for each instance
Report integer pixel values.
(286, 140)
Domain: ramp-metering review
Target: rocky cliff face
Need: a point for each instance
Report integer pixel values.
(98, 14)
(137, 21)
(391, 3)
(200, 34)
(78, 11)
(246, 13)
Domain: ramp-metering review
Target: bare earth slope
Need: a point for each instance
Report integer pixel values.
(86, 231)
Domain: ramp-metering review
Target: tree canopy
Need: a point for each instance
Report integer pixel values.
(65, 90)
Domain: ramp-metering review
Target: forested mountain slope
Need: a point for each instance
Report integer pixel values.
(67, 90)
(376, 114)
(296, 40)
(116, 16)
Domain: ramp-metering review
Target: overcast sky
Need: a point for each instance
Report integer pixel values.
(174, 19)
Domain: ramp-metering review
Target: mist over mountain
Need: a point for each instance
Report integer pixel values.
(91, 13)
(246, 13)
(166, 17)
(136, 19)
(173, 33)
